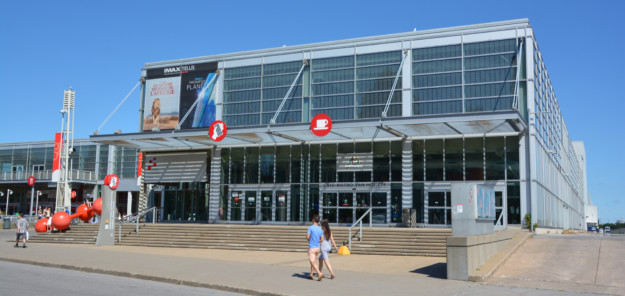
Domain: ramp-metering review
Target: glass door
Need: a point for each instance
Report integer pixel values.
(265, 205)
(363, 203)
(250, 205)
(346, 207)
(329, 206)
(379, 204)
(236, 202)
(439, 207)
(281, 201)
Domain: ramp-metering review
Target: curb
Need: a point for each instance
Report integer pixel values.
(145, 277)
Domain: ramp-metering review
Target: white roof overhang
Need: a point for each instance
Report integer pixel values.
(422, 127)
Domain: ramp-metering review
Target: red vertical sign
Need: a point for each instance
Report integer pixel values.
(139, 164)
(56, 165)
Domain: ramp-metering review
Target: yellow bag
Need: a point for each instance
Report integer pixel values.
(343, 250)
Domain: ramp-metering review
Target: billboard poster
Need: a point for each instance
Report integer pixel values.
(182, 86)
(485, 197)
(162, 98)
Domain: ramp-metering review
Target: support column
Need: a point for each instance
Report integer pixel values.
(106, 233)
(143, 191)
(215, 188)
(406, 175)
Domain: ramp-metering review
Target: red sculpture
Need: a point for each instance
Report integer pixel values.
(61, 220)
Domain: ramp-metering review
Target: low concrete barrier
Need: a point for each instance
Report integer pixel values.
(465, 254)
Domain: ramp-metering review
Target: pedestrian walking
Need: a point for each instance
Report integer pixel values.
(315, 237)
(22, 229)
(326, 247)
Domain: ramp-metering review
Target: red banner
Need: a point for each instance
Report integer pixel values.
(56, 164)
(139, 164)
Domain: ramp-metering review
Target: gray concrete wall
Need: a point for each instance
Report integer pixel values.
(466, 254)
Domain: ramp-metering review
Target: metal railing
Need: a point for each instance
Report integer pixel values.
(136, 219)
(46, 175)
(359, 221)
(499, 225)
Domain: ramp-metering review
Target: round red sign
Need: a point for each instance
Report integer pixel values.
(321, 125)
(113, 181)
(31, 181)
(73, 194)
(217, 130)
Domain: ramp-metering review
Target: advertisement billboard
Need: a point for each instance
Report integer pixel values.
(171, 91)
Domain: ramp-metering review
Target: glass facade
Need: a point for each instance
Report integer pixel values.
(469, 77)
(460, 78)
(89, 163)
(291, 182)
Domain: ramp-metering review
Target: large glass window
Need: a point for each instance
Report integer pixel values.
(314, 164)
(333, 87)
(514, 203)
(418, 201)
(418, 160)
(512, 157)
(251, 165)
(474, 158)
(282, 164)
(236, 165)
(381, 160)
(328, 163)
(454, 160)
(375, 75)
(296, 164)
(396, 161)
(266, 164)
(434, 160)
(495, 158)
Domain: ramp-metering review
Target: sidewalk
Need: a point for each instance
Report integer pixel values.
(260, 273)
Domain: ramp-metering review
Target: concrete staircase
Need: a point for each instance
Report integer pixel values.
(376, 240)
(77, 234)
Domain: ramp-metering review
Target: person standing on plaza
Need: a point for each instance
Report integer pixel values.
(315, 237)
(22, 228)
(326, 247)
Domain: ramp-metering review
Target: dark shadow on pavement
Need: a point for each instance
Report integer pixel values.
(437, 270)
(301, 275)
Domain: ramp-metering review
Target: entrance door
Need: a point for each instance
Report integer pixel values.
(250, 205)
(265, 205)
(347, 207)
(439, 207)
(281, 203)
(253, 205)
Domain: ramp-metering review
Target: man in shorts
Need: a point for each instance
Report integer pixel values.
(315, 237)
(22, 228)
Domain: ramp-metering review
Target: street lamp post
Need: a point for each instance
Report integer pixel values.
(6, 210)
(37, 204)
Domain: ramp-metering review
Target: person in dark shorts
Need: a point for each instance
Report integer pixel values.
(22, 228)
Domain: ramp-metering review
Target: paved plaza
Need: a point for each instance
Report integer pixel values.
(284, 273)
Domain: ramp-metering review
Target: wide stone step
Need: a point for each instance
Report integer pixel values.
(376, 240)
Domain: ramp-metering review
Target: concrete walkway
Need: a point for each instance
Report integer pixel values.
(262, 273)
(584, 262)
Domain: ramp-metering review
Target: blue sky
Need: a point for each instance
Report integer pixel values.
(99, 47)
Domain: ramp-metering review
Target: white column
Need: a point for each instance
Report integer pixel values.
(129, 204)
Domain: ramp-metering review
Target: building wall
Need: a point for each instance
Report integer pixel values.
(89, 164)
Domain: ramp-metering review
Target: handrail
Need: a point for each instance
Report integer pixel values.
(137, 218)
(359, 221)
(499, 224)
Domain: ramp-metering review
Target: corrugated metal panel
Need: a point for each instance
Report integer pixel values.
(175, 167)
